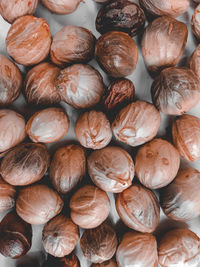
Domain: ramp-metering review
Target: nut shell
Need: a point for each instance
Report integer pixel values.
(195, 22)
(61, 6)
(67, 261)
(195, 61)
(109, 263)
(7, 196)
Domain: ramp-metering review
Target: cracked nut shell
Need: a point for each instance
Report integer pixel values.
(61, 6)
(7, 196)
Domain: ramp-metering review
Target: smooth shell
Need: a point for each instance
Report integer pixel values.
(61, 6)
(195, 61)
(7, 196)
(195, 22)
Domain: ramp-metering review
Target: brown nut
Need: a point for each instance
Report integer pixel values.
(99, 244)
(137, 123)
(81, 86)
(137, 249)
(195, 22)
(163, 43)
(60, 236)
(179, 247)
(157, 163)
(111, 169)
(67, 168)
(116, 53)
(195, 61)
(180, 200)
(90, 206)
(15, 236)
(93, 130)
(109, 263)
(48, 125)
(40, 86)
(28, 40)
(7, 196)
(72, 44)
(37, 204)
(67, 261)
(61, 6)
(25, 164)
(175, 91)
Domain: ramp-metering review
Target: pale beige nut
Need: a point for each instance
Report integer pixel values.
(61, 6)
(7, 196)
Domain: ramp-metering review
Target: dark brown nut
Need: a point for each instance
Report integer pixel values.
(81, 86)
(7, 196)
(61, 6)
(67, 168)
(90, 207)
(167, 35)
(15, 236)
(48, 125)
(93, 130)
(40, 86)
(175, 91)
(72, 44)
(60, 236)
(99, 244)
(195, 22)
(180, 200)
(179, 247)
(10, 81)
(116, 53)
(120, 15)
(37, 204)
(196, 1)
(28, 40)
(157, 163)
(138, 208)
(67, 261)
(195, 61)
(137, 249)
(109, 263)
(25, 164)
(137, 123)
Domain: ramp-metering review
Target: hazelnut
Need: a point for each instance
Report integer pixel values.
(180, 199)
(7, 196)
(138, 208)
(195, 22)
(196, 1)
(120, 15)
(40, 86)
(61, 6)
(179, 247)
(10, 81)
(81, 86)
(90, 206)
(67, 261)
(48, 125)
(137, 249)
(93, 130)
(72, 44)
(65, 177)
(37, 204)
(111, 169)
(167, 35)
(60, 236)
(175, 91)
(15, 236)
(195, 61)
(109, 263)
(116, 53)
(137, 123)
(25, 164)
(28, 40)
(157, 163)
(99, 244)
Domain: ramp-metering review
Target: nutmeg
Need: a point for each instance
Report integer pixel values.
(93, 130)
(15, 236)
(90, 206)
(111, 169)
(116, 53)
(7, 196)
(67, 261)
(195, 23)
(37, 204)
(109, 263)
(175, 91)
(195, 61)
(61, 6)
(137, 123)
(67, 168)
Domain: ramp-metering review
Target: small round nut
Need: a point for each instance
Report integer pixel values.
(61, 6)
(7, 196)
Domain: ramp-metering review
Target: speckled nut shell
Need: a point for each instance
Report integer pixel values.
(195, 22)
(195, 61)
(61, 6)
(111, 169)
(109, 263)
(7, 196)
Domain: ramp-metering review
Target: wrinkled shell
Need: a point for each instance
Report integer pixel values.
(48, 125)
(7, 196)
(60, 236)
(157, 163)
(93, 130)
(116, 53)
(37, 204)
(179, 247)
(195, 61)
(111, 169)
(61, 6)
(195, 22)
(40, 86)
(67, 168)
(99, 244)
(109, 263)
(90, 206)
(81, 86)
(163, 43)
(175, 91)
(137, 123)
(67, 261)
(28, 40)
(180, 200)
(137, 249)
